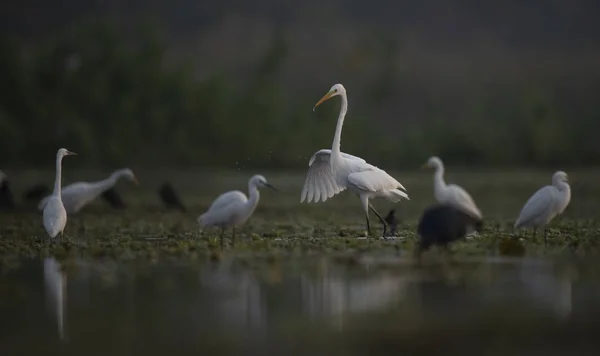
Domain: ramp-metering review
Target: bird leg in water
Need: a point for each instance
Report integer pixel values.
(221, 236)
(233, 238)
(545, 235)
(380, 219)
(368, 225)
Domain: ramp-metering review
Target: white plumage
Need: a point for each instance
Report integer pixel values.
(55, 216)
(332, 171)
(77, 195)
(451, 194)
(548, 202)
(233, 208)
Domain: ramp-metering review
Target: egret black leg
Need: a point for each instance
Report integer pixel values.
(368, 225)
(233, 238)
(221, 237)
(545, 235)
(380, 219)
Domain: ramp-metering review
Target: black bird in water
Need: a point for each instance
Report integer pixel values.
(6, 196)
(36, 193)
(112, 197)
(443, 224)
(169, 198)
(392, 222)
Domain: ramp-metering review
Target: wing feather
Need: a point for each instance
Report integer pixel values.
(538, 205)
(459, 198)
(320, 184)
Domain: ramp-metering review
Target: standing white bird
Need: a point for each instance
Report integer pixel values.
(451, 194)
(545, 204)
(77, 195)
(332, 171)
(233, 208)
(55, 216)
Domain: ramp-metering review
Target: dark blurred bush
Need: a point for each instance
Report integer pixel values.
(114, 100)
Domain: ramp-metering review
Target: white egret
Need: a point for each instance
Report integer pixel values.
(548, 202)
(451, 194)
(55, 216)
(332, 171)
(233, 208)
(77, 195)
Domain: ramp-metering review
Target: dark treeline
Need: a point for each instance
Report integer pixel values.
(159, 85)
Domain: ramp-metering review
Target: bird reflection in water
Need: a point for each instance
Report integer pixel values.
(55, 282)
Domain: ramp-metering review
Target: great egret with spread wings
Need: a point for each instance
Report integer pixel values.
(451, 194)
(77, 195)
(332, 171)
(545, 204)
(55, 216)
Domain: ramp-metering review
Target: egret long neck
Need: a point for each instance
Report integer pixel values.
(336, 153)
(109, 182)
(58, 178)
(438, 179)
(254, 197)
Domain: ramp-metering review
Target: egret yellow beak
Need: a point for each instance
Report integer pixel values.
(424, 165)
(70, 153)
(323, 99)
(134, 179)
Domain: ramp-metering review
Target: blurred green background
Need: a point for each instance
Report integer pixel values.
(230, 83)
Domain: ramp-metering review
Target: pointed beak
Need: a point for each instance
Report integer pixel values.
(69, 153)
(424, 165)
(323, 99)
(270, 186)
(134, 179)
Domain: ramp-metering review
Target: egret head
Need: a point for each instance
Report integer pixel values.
(64, 152)
(335, 90)
(560, 177)
(433, 162)
(260, 182)
(128, 173)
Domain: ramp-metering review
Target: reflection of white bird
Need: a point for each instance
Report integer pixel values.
(56, 288)
(75, 196)
(545, 204)
(331, 171)
(55, 216)
(451, 194)
(233, 208)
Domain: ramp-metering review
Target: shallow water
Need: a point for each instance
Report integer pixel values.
(242, 306)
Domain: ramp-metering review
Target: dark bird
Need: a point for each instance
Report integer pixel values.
(169, 197)
(114, 198)
(443, 224)
(6, 196)
(392, 222)
(36, 193)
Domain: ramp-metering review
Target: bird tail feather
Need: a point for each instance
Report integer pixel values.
(396, 195)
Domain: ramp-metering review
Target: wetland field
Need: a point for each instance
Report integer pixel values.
(301, 278)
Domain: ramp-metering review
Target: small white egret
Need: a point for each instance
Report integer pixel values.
(233, 208)
(77, 195)
(55, 216)
(332, 171)
(451, 194)
(548, 202)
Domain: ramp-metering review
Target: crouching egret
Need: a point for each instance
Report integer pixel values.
(332, 171)
(451, 194)
(77, 195)
(442, 224)
(233, 208)
(548, 202)
(55, 216)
